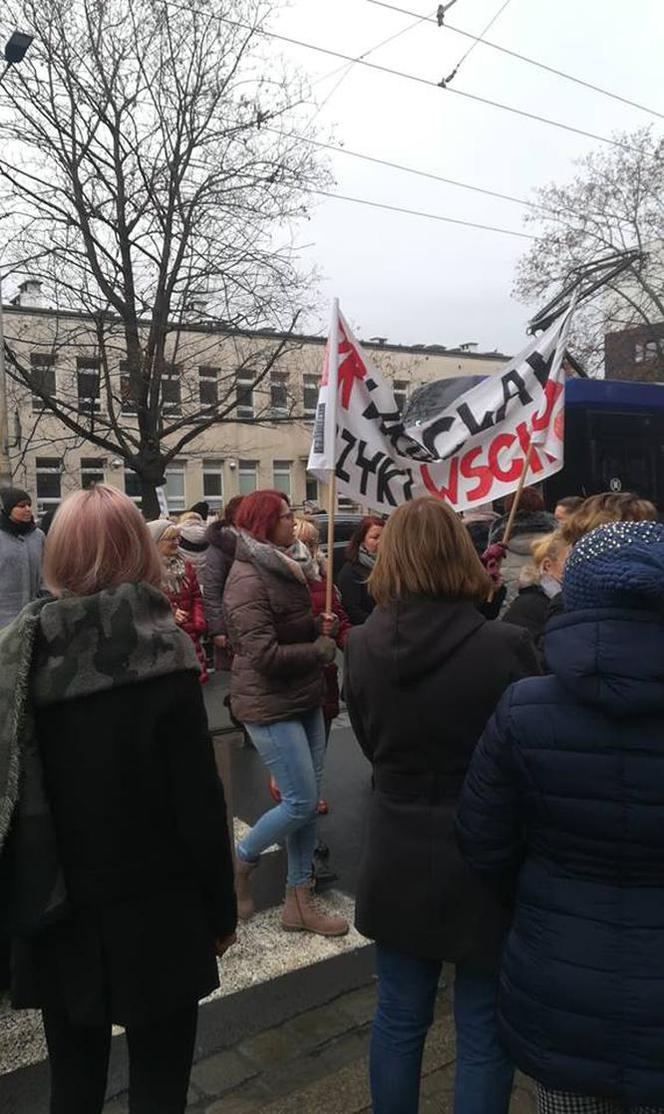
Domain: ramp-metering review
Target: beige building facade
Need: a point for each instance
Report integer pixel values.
(263, 443)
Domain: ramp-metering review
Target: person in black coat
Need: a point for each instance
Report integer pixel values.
(140, 901)
(361, 553)
(222, 538)
(422, 677)
(565, 794)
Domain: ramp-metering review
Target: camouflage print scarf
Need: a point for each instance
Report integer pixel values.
(58, 650)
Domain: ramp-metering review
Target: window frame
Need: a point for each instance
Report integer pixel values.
(248, 409)
(90, 466)
(310, 382)
(215, 469)
(247, 467)
(45, 363)
(52, 468)
(286, 469)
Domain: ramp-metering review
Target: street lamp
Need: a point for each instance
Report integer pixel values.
(16, 48)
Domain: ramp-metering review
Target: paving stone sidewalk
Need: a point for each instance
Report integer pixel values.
(318, 1062)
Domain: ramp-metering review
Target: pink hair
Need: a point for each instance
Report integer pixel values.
(99, 540)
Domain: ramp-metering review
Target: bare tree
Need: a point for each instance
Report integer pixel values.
(151, 170)
(615, 202)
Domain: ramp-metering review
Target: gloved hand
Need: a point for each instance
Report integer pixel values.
(326, 648)
(328, 624)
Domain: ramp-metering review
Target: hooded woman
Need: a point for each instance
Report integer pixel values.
(21, 547)
(564, 798)
(117, 865)
(361, 553)
(422, 677)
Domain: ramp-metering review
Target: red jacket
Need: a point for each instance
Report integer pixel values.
(317, 590)
(190, 600)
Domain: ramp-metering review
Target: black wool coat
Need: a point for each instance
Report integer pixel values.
(422, 677)
(355, 597)
(140, 822)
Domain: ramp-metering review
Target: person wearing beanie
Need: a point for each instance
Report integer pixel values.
(21, 549)
(180, 586)
(562, 807)
(202, 509)
(194, 543)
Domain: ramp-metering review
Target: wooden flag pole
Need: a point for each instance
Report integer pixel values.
(517, 496)
(331, 512)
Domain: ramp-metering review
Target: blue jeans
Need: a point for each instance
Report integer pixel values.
(406, 998)
(294, 752)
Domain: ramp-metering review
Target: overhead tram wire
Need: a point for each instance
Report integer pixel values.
(479, 39)
(410, 77)
(419, 213)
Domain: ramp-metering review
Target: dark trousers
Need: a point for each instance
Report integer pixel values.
(160, 1057)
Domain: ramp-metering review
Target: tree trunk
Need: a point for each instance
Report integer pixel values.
(150, 503)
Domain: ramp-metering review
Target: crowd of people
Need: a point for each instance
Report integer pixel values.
(509, 696)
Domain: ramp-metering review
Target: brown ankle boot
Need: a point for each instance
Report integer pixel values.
(302, 914)
(245, 902)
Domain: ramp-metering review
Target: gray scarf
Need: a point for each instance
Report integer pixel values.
(368, 560)
(58, 650)
(271, 558)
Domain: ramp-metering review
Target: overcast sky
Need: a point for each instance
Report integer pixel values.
(420, 281)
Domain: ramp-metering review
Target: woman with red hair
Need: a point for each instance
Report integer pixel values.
(279, 651)
(361, 553)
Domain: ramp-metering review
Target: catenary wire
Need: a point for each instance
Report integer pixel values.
(419, 213)
(529, 61)
(410, 77)
(477, 41)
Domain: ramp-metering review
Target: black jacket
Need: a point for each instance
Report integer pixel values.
(530, 610)
(422, 679)
(141, 828)
(219, 560)
(357, 602)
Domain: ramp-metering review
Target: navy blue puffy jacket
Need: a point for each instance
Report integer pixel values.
(567, 787)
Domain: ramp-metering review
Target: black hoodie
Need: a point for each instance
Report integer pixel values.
(423, 677)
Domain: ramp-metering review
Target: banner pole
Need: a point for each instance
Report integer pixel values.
(517, 496)
(331, 437)
(331, 512)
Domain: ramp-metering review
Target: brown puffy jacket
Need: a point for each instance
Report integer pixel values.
(277, 671)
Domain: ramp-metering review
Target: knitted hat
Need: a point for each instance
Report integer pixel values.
(619, 565)
(203, 509)
(12, 496)
(159, 527)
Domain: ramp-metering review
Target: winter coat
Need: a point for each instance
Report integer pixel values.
(20, 569)
(189, 599)
(526, 530)
(277, 668)
(421, 679)
(357, 602)
(141, 828)
(317, 593)
(219, 560)
(567, 788)
(529, 610)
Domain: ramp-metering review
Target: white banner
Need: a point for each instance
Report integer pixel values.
(470, 453)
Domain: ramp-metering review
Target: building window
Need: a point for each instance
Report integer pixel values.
(213, 483)
(133, 486)
(311, 384)
(92, 471)
(247, 476)
(244, 398)
(49, 482)
(175, 488)
(646, 353)
(208, 385)
(87, 370)
(127, 400)
(401, 394)
(312, 495)
(42, 367)
(281, 476)
(171, 387)
(279, 392)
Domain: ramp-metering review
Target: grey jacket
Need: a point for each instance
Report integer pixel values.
(20, 571)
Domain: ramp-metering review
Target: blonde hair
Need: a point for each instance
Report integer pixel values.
(551, 546)
(425, 550)
(599, 510)
(99, 540)
(306, 531)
